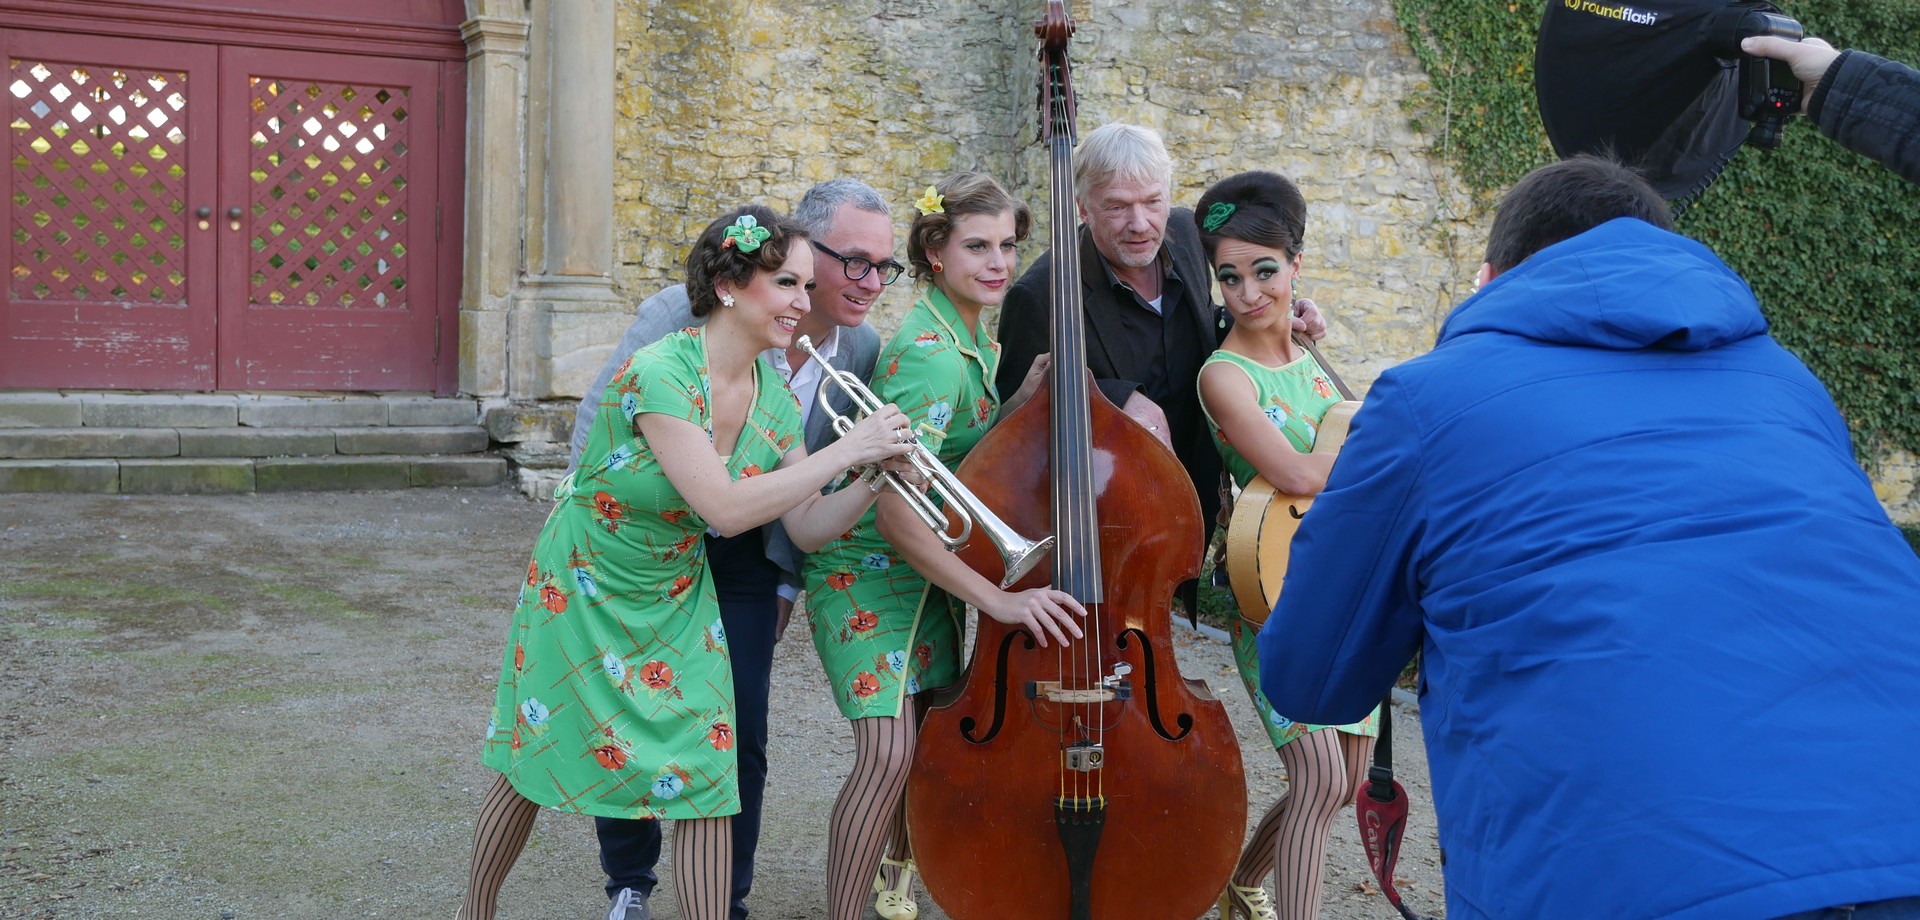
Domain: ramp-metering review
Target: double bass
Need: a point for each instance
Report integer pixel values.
(1090, 780)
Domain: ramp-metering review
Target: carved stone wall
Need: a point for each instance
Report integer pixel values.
(720, 103)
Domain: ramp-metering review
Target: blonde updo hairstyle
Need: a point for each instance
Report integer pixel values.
(962, 194)
(713, 260)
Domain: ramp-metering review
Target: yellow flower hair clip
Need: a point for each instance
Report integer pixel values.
(931, 202)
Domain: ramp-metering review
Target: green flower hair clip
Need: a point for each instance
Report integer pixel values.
(1217, 215)
(746, 234)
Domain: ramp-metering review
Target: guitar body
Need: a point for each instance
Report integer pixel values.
(1260, 533)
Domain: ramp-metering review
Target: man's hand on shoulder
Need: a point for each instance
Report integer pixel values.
(1307, 320)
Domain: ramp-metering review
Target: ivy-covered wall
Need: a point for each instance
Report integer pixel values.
(1826, 238)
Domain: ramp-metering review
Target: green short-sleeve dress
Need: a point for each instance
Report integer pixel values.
(616, 695)
(882, 631)
(1295, 397)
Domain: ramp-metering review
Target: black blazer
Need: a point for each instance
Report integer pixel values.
(1117, 369)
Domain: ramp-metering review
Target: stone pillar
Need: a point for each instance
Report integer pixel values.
(567, 294)
(495, 200)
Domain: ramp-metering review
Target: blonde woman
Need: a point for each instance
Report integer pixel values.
(886, 600)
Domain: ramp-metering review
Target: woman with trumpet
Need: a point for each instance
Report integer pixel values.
(886, 600)
(616, 690)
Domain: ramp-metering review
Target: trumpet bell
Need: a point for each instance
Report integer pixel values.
(1022, 558)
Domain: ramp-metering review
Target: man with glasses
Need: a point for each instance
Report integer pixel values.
(755, 573)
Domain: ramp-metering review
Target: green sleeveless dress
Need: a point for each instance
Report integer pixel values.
(1295, 397)
(884, 633)
(616, 693)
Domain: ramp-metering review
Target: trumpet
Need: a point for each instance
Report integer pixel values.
(1017, 553)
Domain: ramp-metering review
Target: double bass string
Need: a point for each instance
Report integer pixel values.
(1084, 717)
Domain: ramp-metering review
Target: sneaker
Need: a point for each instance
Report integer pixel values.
(629, 905)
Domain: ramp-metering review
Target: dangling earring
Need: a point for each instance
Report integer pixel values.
(938, 267)
(726, 300)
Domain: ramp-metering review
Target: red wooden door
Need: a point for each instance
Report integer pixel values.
(111, 149)
(194, 215)
(329, 265)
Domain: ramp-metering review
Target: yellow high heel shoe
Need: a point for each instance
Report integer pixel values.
(895, 903)
(1252, 903)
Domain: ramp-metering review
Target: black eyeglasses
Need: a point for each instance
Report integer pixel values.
(857, 268)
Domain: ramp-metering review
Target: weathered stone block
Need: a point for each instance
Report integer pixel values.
(199, 476)
(59, 476)
(297, 412)
(124, 410)
(256, 442)
(39, 410)
(317, 474)
(538, 485)
(548, 421)
(405, 411)
(410, 440)
(459, 471)
(483, 350)
(541, 455)
(48, 443)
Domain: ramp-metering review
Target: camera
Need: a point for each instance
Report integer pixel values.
(1769, 92)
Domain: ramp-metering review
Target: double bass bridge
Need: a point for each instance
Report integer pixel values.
(1114, 686)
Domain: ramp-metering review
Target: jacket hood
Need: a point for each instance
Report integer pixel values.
(1625, 284)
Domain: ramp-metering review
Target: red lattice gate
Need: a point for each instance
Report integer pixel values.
(185, 215)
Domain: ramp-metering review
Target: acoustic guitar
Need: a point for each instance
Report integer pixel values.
(1260, 533)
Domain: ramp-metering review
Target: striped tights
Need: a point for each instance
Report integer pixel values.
(1324, 771)
(702, 856)
(868, 812)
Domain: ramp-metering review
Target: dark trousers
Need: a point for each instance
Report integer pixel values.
(746, 584)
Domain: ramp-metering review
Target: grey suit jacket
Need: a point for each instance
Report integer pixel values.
(670, 311)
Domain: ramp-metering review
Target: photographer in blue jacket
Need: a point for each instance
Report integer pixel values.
(1670, 640)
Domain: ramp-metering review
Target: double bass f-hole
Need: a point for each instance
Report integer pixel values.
(1185, 721)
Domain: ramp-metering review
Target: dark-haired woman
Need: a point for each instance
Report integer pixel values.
(886, 600)
(1264, 397)
(615, 696)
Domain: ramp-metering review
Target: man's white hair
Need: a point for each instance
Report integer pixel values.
(1120, 151)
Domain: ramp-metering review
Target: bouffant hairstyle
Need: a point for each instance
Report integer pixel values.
(1562, 200)
(1263, 208)
(962, 194)
(713, 260)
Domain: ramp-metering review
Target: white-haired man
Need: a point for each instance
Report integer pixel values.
(1147, 300)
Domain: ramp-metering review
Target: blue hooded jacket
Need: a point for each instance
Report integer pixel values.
(1672, 642)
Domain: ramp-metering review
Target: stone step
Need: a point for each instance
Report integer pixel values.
(127, 443)
(49, 409)
(213, 475)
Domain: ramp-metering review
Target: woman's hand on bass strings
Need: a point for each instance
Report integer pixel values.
(1043, 611)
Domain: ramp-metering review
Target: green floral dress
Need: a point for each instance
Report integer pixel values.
(882, 631)
(616, 694)
(1295, 397)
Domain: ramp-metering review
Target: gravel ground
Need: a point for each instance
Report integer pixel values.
(269, 706)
